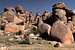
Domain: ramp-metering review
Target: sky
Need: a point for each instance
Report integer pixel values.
(35, 5)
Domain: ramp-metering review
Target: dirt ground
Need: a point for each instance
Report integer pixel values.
(8, 45)
(34, 47)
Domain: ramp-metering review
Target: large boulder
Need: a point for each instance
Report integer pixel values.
(61, 33)
(19, 9)
(44, 30)
(43, 27)
(9, 14)
(13, 28)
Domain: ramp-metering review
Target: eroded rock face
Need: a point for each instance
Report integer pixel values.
(13, 28)
(43, 27)
(9, 14)
(61, 33)
(17, 20)
(19, 9)
(44, 30)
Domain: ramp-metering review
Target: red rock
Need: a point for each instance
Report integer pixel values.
(11, 28)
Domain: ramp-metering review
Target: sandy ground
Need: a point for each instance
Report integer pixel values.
(34, 47)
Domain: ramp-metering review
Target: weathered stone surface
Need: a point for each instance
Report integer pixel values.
(9, 14)
(11, 28)
(17, 20)
(71, 26)
(62, 33)
(59, 5)
(43, 27)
